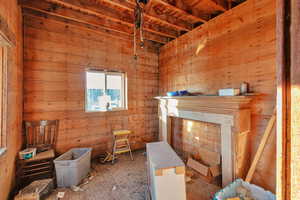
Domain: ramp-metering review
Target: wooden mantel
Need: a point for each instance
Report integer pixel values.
(231, 113)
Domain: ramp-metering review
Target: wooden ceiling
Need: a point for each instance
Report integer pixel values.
(165, 20)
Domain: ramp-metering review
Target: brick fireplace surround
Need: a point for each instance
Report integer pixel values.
(231, 113)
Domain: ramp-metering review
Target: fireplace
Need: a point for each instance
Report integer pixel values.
(231, 114)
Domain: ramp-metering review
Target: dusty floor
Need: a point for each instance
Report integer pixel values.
(126, 180)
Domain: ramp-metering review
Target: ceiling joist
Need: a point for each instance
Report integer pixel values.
(95, 25)
(113, 16)
(130, 5)
(108, 20)
(214, 5)
(181, 12)
(163, 20)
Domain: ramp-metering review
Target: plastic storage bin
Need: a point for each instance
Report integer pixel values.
(257, 192)
(72, 166)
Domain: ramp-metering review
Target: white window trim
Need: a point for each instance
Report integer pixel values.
(123, 92)
(5, 44)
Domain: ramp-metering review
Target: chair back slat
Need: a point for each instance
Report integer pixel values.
(41, 134)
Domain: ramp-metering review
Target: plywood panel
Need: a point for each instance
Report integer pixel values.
(10, 14)
(56, 57)
(236, 46)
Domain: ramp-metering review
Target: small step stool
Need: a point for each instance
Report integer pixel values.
(121, 143)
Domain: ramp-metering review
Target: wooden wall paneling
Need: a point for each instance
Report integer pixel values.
(237, 46)
(10, 25)
(63, 51)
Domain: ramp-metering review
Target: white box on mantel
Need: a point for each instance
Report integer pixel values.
(229, 92)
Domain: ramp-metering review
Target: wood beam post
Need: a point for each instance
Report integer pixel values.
(288, 100)
(295, 101)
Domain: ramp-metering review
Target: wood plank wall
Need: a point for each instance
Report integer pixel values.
(11, 15)
(56, 56)
(236, 46)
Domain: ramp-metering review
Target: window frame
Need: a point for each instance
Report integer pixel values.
(5, 46)
(123, 91)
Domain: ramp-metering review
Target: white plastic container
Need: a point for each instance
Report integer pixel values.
(257, 192)
(229, 92)
(72, 166)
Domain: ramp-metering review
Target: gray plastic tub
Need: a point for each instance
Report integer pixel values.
(72, 166)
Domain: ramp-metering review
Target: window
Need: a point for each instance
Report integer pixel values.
(105, 91)
(3, 96)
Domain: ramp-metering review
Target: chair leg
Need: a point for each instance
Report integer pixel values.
(129, 149)
(113, 155)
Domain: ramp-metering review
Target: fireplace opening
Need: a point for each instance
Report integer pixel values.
(200, 142)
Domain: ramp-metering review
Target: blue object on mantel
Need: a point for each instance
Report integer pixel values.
(178, 93)
(183, 92)
(172, 94)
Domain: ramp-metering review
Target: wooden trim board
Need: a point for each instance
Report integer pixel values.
(261, 147)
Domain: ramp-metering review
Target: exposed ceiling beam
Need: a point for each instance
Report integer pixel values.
(99, 29)
(130, 5)
(128, 20)
(98, 19)
(213, 4)
(120, 29)
(180, 11)
(29, 14)
(40, 17)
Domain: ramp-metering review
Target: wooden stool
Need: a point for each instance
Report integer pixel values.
(121, 143)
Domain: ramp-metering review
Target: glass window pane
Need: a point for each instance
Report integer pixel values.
(95, 94)
(115, 90)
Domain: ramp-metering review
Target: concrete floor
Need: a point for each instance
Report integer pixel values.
(126, 180)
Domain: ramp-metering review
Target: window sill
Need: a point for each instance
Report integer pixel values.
(2, 151)
(101, 111)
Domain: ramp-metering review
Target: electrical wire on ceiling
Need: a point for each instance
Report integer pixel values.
(138, 25)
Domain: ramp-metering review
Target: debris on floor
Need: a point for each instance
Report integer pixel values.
(60, 195)
(87, 179)
(106, 158)
(188, 175)
(128, 177)
(76, 188)
(127, 180)
(36, 190)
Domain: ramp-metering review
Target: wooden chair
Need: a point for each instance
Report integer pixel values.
(41, 135)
